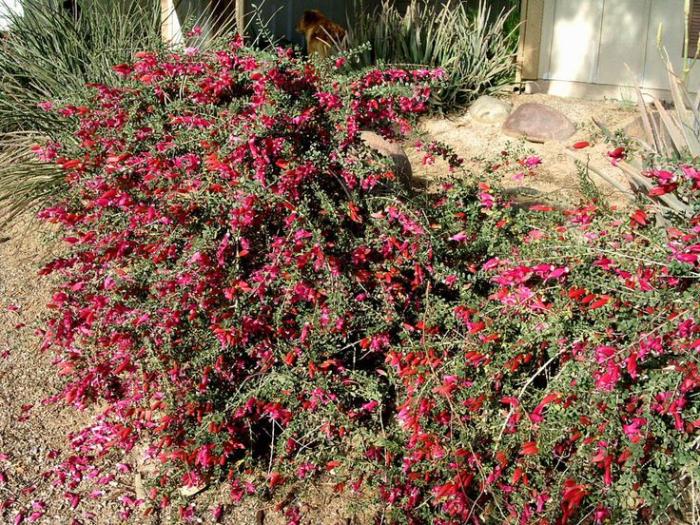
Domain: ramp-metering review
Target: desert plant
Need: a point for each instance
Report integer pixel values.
(654, 166)
(659, 166)
(26, 182)
(470, 45)
(52, 53)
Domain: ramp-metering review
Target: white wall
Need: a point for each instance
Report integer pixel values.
(612, 43)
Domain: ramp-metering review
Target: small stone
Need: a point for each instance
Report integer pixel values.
(402, 166)
(188, 492)
(538, 123)
(260, 517)
(489, 110)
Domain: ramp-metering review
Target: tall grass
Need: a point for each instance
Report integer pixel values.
(25, 182)
(474, 46)
(49, 53)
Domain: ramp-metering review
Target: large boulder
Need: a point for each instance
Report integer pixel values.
(489, 110)
(393, 150)
(538, 123)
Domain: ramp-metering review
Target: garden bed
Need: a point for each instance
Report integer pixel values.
(556, 180)
(247, 293)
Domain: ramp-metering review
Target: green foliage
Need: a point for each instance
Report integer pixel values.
(249, 293)
(473, 45)
(49, 53)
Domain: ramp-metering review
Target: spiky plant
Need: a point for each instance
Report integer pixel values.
(671, 136)
(472, 45)
(51, 53)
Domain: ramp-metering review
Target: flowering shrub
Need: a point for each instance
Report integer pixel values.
(562, 384)
(220, 291)
(248, 292)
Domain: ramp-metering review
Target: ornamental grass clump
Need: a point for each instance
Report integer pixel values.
(473, 43)
(248, 297)
(51, 50)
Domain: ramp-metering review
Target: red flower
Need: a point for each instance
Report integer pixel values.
(572, 497)
(529, 449)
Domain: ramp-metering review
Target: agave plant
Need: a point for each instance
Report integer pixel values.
(673, 133)
(671, 136)
(475, 49)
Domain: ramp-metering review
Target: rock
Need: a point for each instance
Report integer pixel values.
(489, 110)
(188, 492)
(538, 123)
(402, 166)
(635, 129)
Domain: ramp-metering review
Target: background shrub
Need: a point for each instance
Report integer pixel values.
(473, 45)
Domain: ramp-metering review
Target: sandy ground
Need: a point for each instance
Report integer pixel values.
(556, 180)
(30, 430)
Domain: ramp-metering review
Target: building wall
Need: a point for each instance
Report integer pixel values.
(610, 44)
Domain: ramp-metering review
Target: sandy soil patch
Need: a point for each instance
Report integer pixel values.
(556, 179)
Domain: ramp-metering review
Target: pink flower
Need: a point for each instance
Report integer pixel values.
(532, 161)
(196, 31)
(600, 514)
(607, 379)
(691, 173)
(604, 353)
(633, 429)
(617, 155)
(487, 200)
(73, 499)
